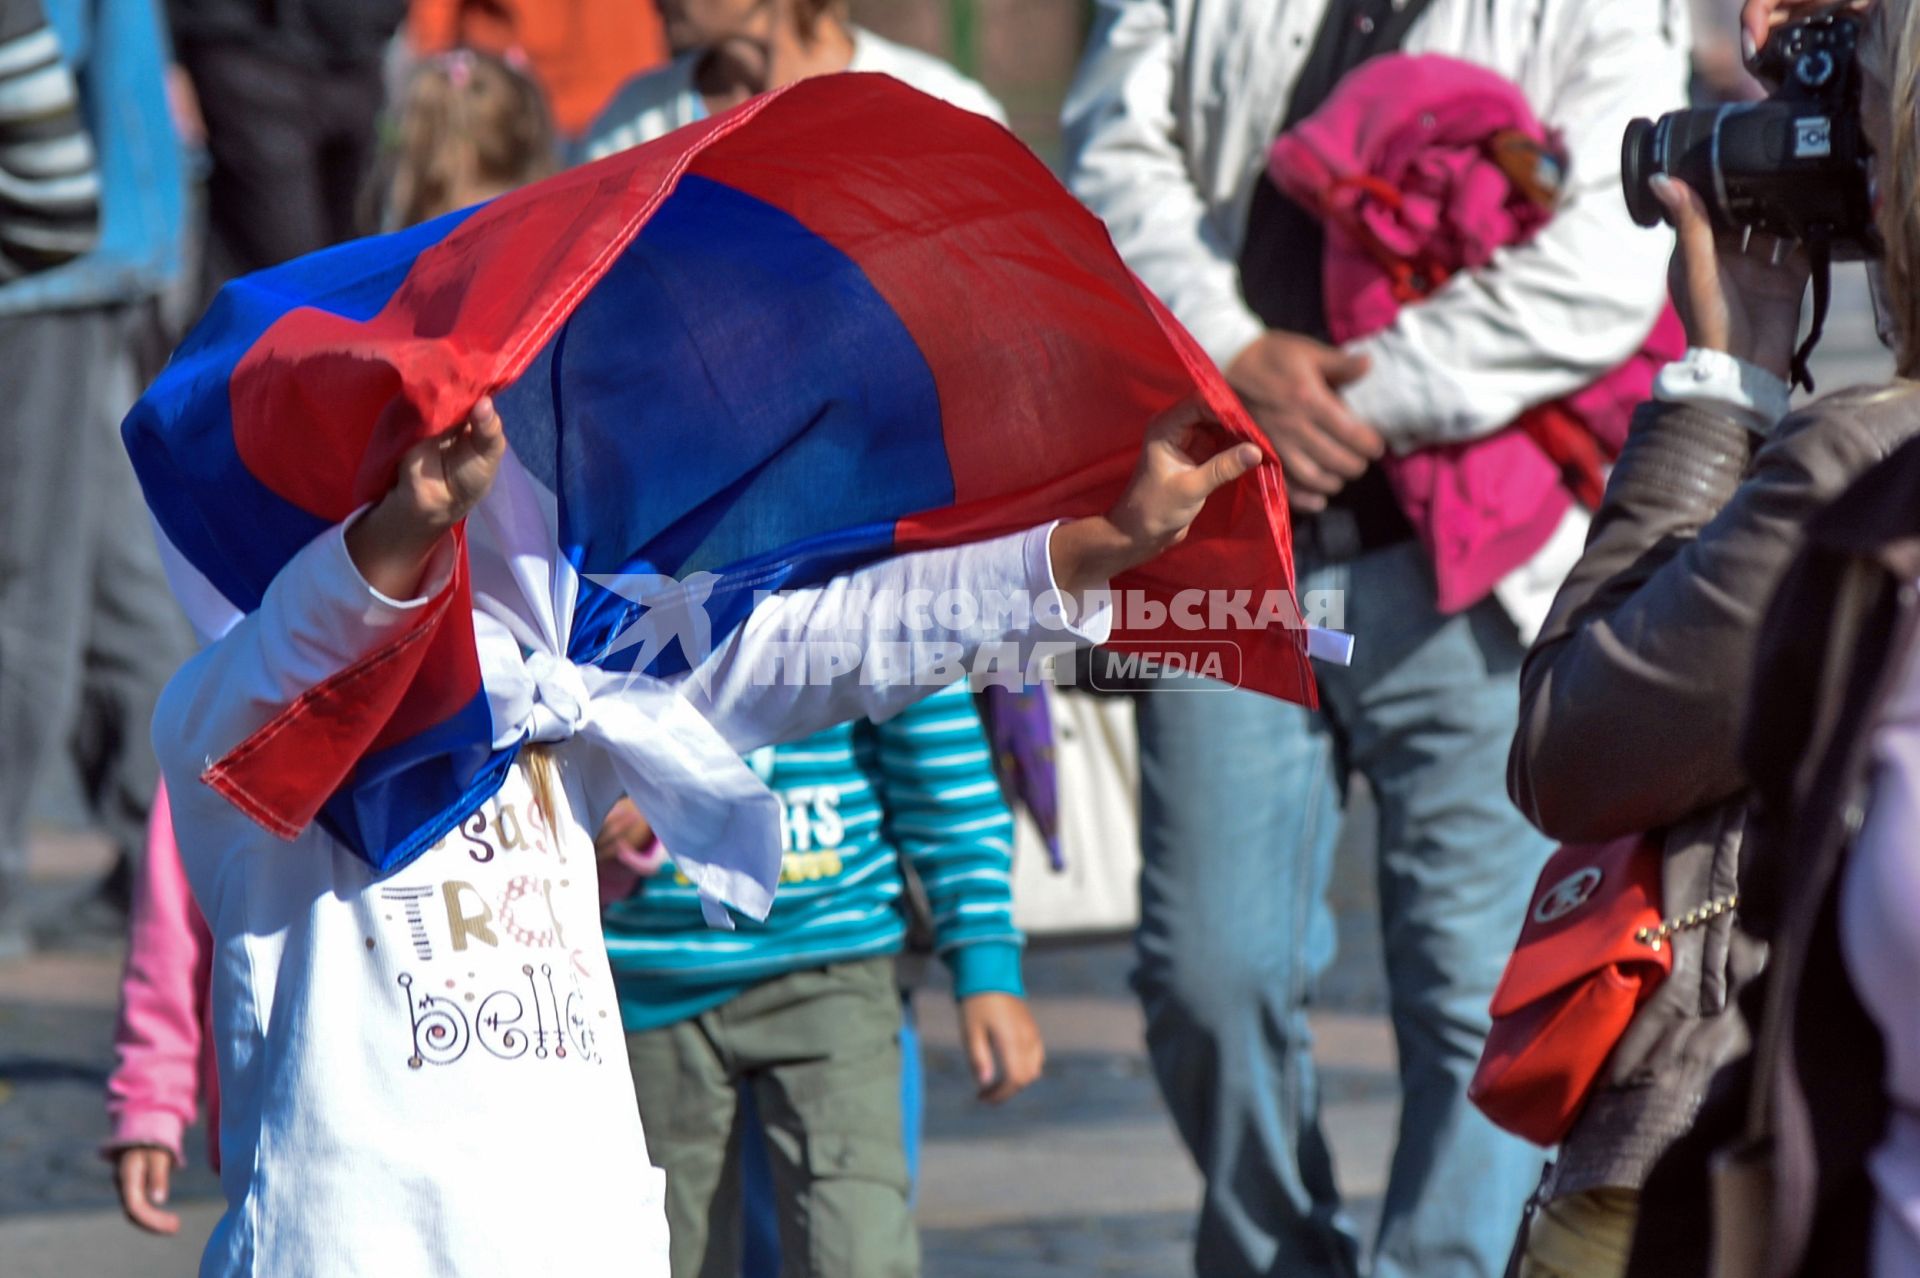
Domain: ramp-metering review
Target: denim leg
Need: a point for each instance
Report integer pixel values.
(913, 1091)
(136, 636)
(52, 438)
(760, 1218)
(1430, 707)
(1240, 808)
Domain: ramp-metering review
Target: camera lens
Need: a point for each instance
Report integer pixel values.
(1638, 164)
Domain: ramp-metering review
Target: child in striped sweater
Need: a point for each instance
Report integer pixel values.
(48, 169)
(803, 1012)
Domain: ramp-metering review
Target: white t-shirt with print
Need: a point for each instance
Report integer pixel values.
(422, 1072)
(430, 1073)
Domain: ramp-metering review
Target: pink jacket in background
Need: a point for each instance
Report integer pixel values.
(1422, 167)
(164, 1039)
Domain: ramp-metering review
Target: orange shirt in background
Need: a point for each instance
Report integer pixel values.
(581, 51)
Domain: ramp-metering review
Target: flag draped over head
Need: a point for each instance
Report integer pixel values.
(840, 322)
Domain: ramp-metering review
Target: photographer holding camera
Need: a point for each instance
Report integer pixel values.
(1632, 699)
(1806, 1159)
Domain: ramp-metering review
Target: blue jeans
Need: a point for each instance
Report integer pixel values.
(1241, 808)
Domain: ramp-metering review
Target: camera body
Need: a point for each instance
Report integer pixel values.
(1793, 164)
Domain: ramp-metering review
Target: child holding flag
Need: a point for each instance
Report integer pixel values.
(469, 126)
(420, 1068)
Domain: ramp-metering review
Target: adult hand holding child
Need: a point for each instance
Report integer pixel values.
(1291, 384)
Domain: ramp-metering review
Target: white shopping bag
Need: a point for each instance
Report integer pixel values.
(1098, 769)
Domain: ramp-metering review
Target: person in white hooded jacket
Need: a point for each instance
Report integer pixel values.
(1168, 126)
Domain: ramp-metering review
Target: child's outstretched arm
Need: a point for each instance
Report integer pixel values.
(811, 658)
(353, 589)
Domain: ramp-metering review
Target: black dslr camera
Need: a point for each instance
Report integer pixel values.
(1793, 164)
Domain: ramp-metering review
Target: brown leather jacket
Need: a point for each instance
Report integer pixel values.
(1631, 704)
(1829, 652)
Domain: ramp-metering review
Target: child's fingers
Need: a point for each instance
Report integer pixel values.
(144, 1175)
(1172, 425)
(1192, 487)
(481, 432)
(981, 1058)
(1019, 1055)
(1228, 465)
(131, 1180)
(159, 1177)
(1026, 1055)
(489, 432)
(1004, 1089)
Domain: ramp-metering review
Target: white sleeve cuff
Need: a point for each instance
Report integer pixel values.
(1374, 398)
(381, 607)
(1725, 383)
(1408, 400)
(1089, 617)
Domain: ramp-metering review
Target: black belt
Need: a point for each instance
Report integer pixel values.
(1364, 516)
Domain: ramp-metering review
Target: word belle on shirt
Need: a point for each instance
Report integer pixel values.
(485, 949)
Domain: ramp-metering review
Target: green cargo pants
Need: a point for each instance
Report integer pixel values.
(820, 1050)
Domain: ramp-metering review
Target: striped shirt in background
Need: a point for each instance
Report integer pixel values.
(858, 797)
(49, 184)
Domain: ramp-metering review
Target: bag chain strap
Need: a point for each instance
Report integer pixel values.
(1654, 937)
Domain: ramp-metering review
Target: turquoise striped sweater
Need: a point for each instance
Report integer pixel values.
(857, 798)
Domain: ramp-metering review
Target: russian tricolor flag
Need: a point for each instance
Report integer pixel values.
(840, 322)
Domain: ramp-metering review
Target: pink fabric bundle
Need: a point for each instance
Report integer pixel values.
(1421, 166)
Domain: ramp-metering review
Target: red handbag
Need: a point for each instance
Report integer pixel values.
(1591, 952)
